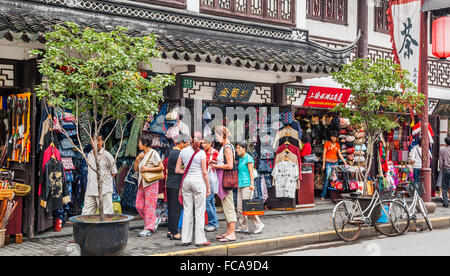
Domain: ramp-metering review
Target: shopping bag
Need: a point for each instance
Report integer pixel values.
(253, 207)
(213, 181)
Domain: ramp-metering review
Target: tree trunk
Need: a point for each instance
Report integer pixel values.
(100, 189)
(368, 161)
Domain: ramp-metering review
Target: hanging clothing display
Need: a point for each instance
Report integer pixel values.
(285, 175)
(54, 191)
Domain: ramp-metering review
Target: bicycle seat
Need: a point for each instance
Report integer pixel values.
(354, 195)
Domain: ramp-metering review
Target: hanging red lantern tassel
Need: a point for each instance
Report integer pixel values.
(441, 37)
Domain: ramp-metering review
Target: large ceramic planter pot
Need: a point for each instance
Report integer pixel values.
(106, 238)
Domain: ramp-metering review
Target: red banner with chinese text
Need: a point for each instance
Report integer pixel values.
(326, 97)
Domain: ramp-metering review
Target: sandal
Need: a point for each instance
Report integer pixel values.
(227, 239)
(172, 237)
(221, 236)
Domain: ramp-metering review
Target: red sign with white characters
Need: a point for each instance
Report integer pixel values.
(326, 97)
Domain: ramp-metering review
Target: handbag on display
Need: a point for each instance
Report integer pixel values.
(56, 125)
(172, 115)
(158, 125)
(207, 116)
(66, 144)
(68, 125)
(312, 158)
(151, 177)
(265, 166)
(67, 163)
(173, 132)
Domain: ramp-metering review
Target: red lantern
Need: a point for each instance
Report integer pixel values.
(441, 37)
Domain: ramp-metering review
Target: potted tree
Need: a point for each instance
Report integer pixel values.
(97, 74)
(378, 88)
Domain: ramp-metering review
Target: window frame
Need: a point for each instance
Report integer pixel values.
(264, 18)
(375, 19)
(322, 17)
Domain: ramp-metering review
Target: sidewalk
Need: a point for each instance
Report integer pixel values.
(277, 224)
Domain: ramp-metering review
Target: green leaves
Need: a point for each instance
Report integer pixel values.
(378, 87)
(102, 68)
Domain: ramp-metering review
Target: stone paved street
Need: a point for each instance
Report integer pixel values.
(277, 224)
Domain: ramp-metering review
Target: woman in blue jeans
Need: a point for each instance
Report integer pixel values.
(331, 152)
(211, 158)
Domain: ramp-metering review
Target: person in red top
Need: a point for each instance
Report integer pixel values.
(306, 145)
(211, 158)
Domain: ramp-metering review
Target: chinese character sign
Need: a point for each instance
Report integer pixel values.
(233, 91)
(326, 97)
(404, 17)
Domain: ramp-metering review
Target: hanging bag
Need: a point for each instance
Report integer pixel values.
(158, 126)
(230, 178)
(213, 179)
(180, 196)
(253, 207)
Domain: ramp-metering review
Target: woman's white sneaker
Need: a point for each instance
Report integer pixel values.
(259, 230)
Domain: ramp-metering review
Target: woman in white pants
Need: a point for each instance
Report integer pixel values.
(195, 189)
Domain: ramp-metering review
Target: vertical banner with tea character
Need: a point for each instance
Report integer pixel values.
(404, 27)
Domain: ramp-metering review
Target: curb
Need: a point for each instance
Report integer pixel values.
(250, 247)
(140, 222)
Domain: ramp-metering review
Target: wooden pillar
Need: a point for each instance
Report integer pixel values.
(423, 88)
(363, 26)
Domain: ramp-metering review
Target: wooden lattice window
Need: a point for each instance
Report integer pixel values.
(333, 11)
(170, 3)
(381, 23)
(275, 11)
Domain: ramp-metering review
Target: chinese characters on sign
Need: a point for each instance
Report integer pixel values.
(233, 91)
(407, 40)
(404, 16)
(326, 97)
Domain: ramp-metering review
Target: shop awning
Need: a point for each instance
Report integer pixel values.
(185, 44)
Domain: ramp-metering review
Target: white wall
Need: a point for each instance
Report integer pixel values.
(193, 5)
(335, 31)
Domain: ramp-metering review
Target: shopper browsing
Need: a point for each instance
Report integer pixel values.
(211, 158)
(147, 194)
(173, 187)
(225, 161)
(331, 152)
(246, 188)
(195, 189)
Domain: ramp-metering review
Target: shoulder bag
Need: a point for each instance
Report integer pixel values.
(180, 196)
(151, 177)
(230, 178)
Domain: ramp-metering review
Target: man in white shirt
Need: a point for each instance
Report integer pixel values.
(108, 171)
(416, 156)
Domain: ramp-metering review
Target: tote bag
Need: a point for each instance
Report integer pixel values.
(213, 180)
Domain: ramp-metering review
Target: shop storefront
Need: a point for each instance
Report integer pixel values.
(18, 109)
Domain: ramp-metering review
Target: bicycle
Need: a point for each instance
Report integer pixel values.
(417, 204)
(348, 217)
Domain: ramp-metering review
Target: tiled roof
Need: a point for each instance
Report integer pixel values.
(433, 5)
(286, 57)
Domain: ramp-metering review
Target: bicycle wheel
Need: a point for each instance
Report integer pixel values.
(343, 214)
(394, 219)
(423, 209)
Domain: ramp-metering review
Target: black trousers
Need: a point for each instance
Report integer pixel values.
(174, 208)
